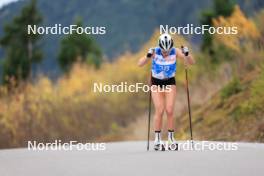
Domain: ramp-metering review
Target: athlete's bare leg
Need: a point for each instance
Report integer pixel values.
(159, 104)
(170, 97)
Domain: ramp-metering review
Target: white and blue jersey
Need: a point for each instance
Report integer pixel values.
(163, 68)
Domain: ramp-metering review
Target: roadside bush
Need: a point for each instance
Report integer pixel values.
(232, 88)
(256, 100)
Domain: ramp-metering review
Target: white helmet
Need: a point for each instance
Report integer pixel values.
(165, 42)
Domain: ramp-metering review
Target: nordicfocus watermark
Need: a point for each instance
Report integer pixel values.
(191, 29)
(201, 146)
(59, 145)
(124, 87)
(58, 29)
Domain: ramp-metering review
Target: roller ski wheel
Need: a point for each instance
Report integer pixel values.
(173, 147)
(159, 147)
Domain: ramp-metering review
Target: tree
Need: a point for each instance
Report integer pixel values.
(248, 32)
(22, 49)
(220, 8)
(79, 47)
(207, 40)
(244, 42)
(224, 7)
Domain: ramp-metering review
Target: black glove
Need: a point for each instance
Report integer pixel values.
(185, 50)
(150, 53)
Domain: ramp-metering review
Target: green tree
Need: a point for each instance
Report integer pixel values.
(207, 39)
(21, 49)
(224, 7)
(220, 8)
(79, 47)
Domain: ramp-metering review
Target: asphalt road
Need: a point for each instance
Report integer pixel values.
(132, 159)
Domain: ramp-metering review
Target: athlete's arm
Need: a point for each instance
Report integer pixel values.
(189, 58)
(145, 59)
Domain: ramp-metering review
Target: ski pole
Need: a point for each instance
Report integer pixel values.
(188, 99)
(149, 115)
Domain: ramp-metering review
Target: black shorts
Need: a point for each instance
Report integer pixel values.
(163, 82)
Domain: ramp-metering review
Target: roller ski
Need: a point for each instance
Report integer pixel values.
(172, 144)
(158, 144)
